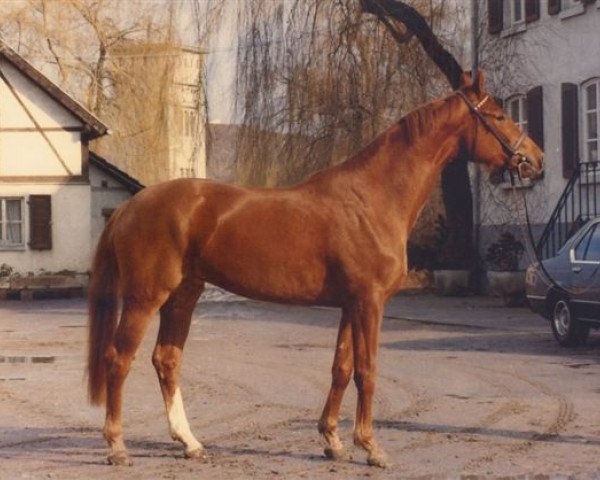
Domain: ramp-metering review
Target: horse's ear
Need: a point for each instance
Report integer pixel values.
(478, 81)
(465, 80)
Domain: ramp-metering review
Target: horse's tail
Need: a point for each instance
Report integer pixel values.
(103, 304)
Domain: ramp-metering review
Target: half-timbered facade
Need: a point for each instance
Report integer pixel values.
(47, 205)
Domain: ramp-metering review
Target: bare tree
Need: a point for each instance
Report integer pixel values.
(319, 79)
(323, 79)
(456, 186)
(118, 59)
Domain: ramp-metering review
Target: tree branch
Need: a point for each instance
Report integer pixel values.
(416, 24)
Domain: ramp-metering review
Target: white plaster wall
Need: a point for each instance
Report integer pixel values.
(553, 50)
(71, 224)
(111, 195)
(27, 153)
(45, 109)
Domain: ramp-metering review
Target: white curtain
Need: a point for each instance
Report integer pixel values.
(13, 221)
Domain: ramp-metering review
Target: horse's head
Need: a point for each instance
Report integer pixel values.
(495, 139)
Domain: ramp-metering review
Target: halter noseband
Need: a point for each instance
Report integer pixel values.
(511, 150)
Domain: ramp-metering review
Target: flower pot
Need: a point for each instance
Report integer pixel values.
(451, 282)
(508, 285)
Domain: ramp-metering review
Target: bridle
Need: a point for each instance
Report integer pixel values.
(521, 160)
(511, 150)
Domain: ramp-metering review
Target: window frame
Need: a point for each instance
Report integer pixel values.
(4, 245)
(570, 8)
(521, 123)
(521, 98)
(511, 13)
(585, 111)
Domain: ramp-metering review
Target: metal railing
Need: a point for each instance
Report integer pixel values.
(579, 202)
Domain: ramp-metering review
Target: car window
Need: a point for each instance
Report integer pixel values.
(593, 249)
(582, 246)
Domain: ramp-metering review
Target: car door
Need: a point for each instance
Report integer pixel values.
(585, 276)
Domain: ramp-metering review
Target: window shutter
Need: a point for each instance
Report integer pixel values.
(495, 13)
(532, 10)
(535, 115)
(40, 222)
(553, 7)
(570, 128)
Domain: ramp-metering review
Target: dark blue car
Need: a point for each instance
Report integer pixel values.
(570, 298)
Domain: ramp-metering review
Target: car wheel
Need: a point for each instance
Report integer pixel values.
(568, 331)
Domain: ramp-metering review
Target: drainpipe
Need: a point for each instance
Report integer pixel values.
(477, 179)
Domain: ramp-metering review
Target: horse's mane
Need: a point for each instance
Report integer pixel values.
(419, 122)
(405, 132)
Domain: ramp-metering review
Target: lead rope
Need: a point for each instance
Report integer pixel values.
(532, 252)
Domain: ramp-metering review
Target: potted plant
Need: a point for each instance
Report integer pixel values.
(503, 274)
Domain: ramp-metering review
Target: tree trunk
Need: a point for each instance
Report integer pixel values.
(456, 187)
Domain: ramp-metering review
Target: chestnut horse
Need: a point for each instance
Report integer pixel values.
(338, 239)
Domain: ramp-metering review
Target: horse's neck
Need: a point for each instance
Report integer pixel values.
(405, 162)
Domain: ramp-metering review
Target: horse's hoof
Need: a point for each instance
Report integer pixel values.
(335, 453)
(120, 459)
(197, 454)
(377, 460)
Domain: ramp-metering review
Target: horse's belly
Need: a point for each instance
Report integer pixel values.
(269, 267)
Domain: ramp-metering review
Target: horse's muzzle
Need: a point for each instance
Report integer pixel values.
(526, 169)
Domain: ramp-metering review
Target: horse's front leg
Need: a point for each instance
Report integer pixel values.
(341, 373)
(366, 322)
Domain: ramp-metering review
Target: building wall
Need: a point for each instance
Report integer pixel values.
(548, 52)
(71, 224)
(107, 194)
(187, 136)
(25, 153)
(23, 150)
(158, 120)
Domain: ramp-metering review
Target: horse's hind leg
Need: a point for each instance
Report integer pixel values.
(341, 373)
(134, 320)
(175, 319)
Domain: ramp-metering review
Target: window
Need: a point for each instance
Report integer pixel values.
(516, 11)
(516, 107)
(588, 248)
(107, 213)
(509, 17)
(582, 246)
(591, 120)
(11, 222)
(527, 111)
(593, 251)
(190, 122)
